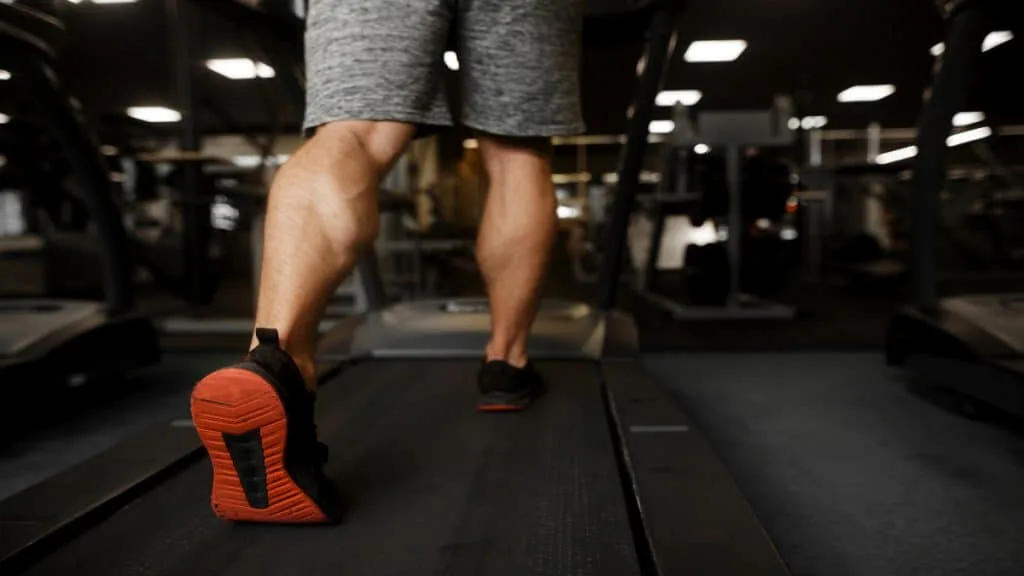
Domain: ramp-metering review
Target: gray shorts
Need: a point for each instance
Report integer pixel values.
(384, 60)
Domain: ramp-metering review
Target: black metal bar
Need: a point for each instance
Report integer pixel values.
(68, 125)
(966, 31)
(735, 242)
(661, 45)
(195, 219)
(373, 285)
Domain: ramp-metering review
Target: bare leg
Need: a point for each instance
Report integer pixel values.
(516, 235)
(321, 212)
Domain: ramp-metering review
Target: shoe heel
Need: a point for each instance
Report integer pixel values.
(243, 425)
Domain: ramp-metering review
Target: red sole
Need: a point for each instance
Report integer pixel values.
(500, 408)
(236, 401)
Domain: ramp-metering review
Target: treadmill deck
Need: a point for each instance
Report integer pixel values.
(433, 487)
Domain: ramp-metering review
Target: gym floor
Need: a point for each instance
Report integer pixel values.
(854, 471)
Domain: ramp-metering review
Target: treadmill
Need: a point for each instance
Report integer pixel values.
(48, 345)
(604, 476)
(971, 344)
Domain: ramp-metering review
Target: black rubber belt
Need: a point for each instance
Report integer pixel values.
(434, 488)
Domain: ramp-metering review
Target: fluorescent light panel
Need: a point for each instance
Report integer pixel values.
(154, 114)
(967, 118)
(662, 127)
(715, 50)
(993, 40)
(969, 136)
(240, 68)
(866, 93)
(896, 155)
(996, 39)
(813, 122)
(451, 60)
(673, 97)
(955, 140)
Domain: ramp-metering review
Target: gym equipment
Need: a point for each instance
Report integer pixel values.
(50, 345)
(757, 189)
(603, 476)
(971, 344)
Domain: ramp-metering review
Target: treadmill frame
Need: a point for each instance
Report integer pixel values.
(934, 345)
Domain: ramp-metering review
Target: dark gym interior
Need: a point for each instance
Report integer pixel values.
(782, 327)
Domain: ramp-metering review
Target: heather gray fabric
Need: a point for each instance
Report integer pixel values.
(383, 60)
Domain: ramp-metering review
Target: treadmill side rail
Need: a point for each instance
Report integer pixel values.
(693, 515)
(45, 515)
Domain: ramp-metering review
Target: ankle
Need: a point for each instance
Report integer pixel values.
(307, 366)
(514, 355)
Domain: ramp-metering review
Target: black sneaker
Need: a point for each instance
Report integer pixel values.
(256, 420)
(506, 388)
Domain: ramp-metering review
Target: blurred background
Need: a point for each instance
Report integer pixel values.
(192, 106)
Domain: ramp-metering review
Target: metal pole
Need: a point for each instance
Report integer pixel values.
(661, 45)
(732, 170)
(814, 141)
(195, 219)
(967, 29)
(874, 141)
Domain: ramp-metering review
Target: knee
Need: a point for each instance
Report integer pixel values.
(373, 145)
(342, 165)
(516, 157)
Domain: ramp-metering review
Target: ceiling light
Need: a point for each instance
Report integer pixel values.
(254, 160)
(968, 118)
(969, 136)
(794, 123)
(702, 149)
(715, 50)
(867, 93)
(113, 1)
(451, 60)
(813, 122)
(662, 127)
(240, 68)
(155, 114)
(993, 40)
(72, 1)
(997, 38)
(5, 75)
(954, 140)
(4, 118)
(470, 143)
(896, 155)
(673, 97)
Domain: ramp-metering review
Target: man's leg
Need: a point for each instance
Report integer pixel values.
(516, 236)
(322, 211)
(520, 66)
(256, 419)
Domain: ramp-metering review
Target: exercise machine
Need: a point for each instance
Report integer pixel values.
(971, 344)
(603, 476)
(47, 346)
(732, 132)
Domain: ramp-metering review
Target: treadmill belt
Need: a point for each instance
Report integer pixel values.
(432, 486)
